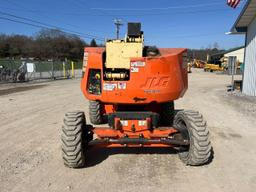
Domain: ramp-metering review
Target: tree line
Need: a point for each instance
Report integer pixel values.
(46, 44)
(201, 54)
(58, 45)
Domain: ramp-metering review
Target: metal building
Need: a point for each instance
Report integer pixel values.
(237, 52)
(246, 24)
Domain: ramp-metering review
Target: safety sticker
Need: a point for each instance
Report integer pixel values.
(121, 85)
(109, 86)
(134, 70)
(138, 64)
(142, 123)
(124, 123)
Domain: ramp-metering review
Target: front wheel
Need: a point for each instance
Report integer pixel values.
(72, 137)
(192, 127)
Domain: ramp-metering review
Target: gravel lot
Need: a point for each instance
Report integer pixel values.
(30, 158)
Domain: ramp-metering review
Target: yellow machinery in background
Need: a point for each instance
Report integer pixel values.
(213, 64)
(213, 67)
(206, 66)
(198, 63)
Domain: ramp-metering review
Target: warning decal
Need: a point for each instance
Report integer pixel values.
(109, 86)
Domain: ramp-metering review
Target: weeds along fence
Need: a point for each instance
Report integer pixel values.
(27, 70)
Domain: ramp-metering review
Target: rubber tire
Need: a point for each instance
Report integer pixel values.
(95, 112)
(199, 151)
(72, 137)
(167, 113)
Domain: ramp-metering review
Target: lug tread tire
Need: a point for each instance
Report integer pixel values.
(95, 112)
(72, 139)
(199, 151)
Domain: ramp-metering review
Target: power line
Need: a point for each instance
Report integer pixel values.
(102, 11)
(197, 35)
(16, 21)
(46, 14)
(49, 26)
(152, 14)
(142, 14)
(114, 16)
(159, 8)
(82, 4)
(44, 27)
(172, 13)
(105, 14)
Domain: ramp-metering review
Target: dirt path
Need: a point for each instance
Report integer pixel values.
(30, 145)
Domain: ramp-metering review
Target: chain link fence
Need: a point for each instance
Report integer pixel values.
(28, 70)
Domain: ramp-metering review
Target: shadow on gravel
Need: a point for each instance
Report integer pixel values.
(97, 155)
(19, 89)
(210, 160)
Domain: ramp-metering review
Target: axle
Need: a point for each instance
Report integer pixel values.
(138, 141)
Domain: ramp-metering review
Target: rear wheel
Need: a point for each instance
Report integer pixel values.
(167, 113)
(73, 139)
(95, 112)
(192, 127)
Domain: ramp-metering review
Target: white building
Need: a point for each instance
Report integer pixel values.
(246, 24)
(238, 53)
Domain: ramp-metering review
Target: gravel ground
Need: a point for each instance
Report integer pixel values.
(31, 156)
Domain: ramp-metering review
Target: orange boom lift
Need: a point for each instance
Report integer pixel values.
(132, 88)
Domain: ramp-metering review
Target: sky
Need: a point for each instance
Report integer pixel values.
(166, 23)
